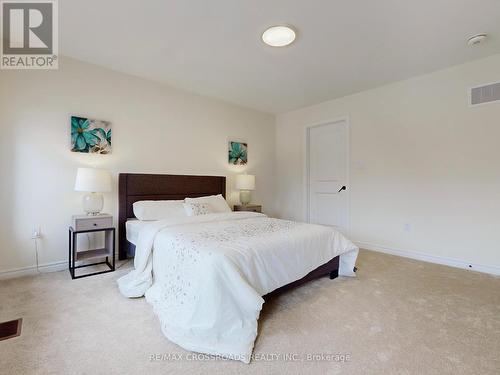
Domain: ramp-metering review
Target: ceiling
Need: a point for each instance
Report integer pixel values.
(213, 47)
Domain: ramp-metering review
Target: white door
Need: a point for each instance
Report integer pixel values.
(327, 167)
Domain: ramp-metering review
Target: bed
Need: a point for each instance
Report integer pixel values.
(137, 187)
(208, 298)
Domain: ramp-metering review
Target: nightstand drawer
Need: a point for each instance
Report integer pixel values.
(90, 223)
(252, 210)
(248, 208)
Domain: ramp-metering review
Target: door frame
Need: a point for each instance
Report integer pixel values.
(306, 167)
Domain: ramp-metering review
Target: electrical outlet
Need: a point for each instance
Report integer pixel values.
(37, 232)
(407, 227)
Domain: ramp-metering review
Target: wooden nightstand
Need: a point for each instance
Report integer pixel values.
(91, 224)
(248, 207)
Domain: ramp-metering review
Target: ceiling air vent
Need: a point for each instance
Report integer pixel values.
(485, 94)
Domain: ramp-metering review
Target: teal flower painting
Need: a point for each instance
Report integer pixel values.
(90, 136)
(237, 153)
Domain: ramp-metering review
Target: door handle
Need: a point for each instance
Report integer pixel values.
(342, 188)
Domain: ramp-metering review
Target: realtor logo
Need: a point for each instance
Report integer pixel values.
(29, 34)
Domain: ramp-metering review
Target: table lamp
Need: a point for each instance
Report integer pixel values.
(93, 181)
(245, 183)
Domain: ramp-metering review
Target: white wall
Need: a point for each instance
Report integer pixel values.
(419, 155)
(156, 129)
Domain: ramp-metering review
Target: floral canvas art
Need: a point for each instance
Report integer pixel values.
(90, 136)
(237, 153)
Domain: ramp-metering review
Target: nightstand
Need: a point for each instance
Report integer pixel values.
(248, 207)
(90, 224)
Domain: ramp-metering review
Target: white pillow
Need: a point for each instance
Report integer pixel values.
(157, 210)
(196, 209)
(218, 203)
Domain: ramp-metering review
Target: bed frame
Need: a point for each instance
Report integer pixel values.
(136, 187)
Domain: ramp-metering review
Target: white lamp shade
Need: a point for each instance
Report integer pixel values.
(93, 180)
(245, 182)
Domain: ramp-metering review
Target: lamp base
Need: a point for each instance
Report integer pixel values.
(245, 197)
(93, 203)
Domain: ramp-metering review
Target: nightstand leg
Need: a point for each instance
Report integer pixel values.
(73, 256)
(69, 251)
(114, 236)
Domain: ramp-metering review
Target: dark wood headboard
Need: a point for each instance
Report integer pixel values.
(138, 187)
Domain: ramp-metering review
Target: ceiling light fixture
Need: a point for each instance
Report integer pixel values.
(476, 39)
(279, 36)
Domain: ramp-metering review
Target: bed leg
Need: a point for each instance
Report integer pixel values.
(334, 274)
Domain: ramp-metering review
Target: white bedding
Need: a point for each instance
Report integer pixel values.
(210, 272)
(133, 227)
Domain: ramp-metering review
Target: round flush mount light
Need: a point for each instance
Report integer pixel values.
(279, 36)
(476, 39)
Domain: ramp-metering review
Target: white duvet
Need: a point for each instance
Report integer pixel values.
(207, 274)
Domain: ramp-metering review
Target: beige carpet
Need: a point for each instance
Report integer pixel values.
(398, 317)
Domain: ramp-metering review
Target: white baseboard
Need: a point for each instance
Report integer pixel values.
(31, 270)
(42, 268)
(493, 270)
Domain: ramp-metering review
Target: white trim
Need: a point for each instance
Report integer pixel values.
(493, 270)
(31, 270)
(305, 177)
(60, 265)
